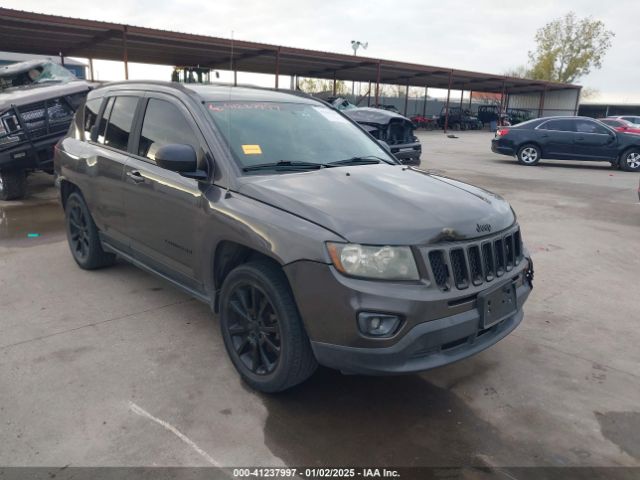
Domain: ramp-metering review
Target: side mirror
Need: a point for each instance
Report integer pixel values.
(177, 158)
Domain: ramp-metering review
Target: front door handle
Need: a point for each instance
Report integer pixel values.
(135, 176)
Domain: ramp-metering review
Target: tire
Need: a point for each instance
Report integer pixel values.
(262, 329)
(630, 160)
(529, 154)
(13, 184)
(82, 235)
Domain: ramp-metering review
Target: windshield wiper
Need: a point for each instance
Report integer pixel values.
(286, 165)
(368, 160)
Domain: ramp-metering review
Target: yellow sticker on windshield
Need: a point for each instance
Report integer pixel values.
(251, 149)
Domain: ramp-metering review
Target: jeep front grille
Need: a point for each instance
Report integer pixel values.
(463, 264)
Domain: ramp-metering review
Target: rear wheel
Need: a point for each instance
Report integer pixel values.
(83, 237)
(529, 154)
(13, 184)
(630, 160)
(262, 329)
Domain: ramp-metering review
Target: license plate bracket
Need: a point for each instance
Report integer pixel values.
(497, 304)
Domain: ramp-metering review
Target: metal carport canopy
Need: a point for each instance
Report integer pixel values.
(28, 32)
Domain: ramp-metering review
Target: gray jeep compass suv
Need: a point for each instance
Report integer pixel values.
(310, 240)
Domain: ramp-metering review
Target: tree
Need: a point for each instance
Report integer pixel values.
(317, 85)
(521, 71)
(568, 48)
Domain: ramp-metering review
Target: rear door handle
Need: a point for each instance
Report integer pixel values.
(135, 176)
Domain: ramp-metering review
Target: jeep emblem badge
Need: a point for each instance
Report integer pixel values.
(484, 227)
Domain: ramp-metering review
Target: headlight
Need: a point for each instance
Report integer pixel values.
(384, 263)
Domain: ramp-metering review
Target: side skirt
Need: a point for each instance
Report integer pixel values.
(190, 291)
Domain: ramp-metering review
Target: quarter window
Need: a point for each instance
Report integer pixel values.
(91, 115)
(102, 126)
(164, 124)
(120, 121)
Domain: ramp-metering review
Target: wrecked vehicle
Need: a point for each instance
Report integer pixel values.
(306, 236)
(386, 126)
(37, 101)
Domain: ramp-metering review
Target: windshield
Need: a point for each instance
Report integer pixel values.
(259, 133)
(40, 73)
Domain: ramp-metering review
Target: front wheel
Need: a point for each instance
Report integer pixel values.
(630, 160)
(529, 155)
(83, 237)
(13, 184)
(262, 329)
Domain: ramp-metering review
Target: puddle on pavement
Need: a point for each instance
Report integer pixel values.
(397, 421)
(622, 428)
(44, 221)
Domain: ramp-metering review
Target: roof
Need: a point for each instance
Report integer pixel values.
(30, 32)
(217, 92)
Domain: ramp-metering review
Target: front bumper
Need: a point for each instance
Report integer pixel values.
(26, 155)
(408, 153)
(438, 328)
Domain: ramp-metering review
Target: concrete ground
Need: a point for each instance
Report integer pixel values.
(116, 367)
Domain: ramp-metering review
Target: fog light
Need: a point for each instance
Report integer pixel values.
(378, 324)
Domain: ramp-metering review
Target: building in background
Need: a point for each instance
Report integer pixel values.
(79, 69)
(600, 110)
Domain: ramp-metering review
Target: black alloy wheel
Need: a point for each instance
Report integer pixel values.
(82, 235)
(262, 329)
(254, 328)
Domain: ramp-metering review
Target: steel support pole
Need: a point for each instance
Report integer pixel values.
(378, 84)
(461, 99)
(406, 99)
(543, 93)
(235, 76)
(335, 84)
(277, 66)
(470, 98)
(579, 92)
(424, 106)
(125, 53)
(91, 69)
(369, 95)
(446, 115)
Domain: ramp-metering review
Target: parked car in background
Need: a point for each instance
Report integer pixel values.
(488, 113)
(620, 125)
(459, 119)
(519, 115)
(568, 138)
(635, 119)
(37, 102)
(396, 131)
(306, 236)
(428, 122)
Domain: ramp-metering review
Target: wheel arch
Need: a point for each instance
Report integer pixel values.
(228, 255)
(530, 142)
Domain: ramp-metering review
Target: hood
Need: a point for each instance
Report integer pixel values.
(377, 116)
(38, 92)
(383, 204)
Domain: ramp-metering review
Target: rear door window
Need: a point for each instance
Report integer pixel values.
(164, 124)
(586, 126)
(120, 122)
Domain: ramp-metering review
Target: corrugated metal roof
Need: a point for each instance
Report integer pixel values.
(30, 32)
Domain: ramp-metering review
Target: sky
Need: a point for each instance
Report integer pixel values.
(481, 35)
